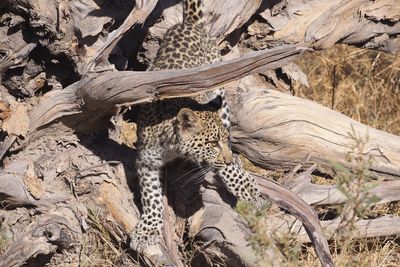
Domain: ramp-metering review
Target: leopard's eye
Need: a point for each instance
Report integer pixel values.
(213, 143)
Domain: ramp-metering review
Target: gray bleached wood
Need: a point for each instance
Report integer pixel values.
(277, 131)
(379, 227)
(96, 97)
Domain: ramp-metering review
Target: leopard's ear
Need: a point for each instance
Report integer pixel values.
(188, 120)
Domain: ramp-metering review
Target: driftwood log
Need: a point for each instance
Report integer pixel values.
(68, 66)
(277, 131)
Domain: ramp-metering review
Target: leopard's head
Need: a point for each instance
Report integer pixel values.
(203, 137)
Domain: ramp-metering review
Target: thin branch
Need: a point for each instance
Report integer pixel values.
(298, 208)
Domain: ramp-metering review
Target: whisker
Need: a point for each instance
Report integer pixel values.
(186, 160)
(201, 178)
(198, 177)
(186, 173)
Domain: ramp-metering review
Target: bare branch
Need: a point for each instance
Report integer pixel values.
(298, 208)
(95, 97)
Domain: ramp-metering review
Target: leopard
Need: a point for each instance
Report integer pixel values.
(193, 128)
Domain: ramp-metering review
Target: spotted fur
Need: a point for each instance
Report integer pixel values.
(192, 128)
(188, 45)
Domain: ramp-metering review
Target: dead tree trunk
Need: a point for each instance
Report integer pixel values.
(64, 74)
(277, 131)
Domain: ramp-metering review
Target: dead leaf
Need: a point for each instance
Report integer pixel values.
(32, 183)
(4, 111)
(17, 122)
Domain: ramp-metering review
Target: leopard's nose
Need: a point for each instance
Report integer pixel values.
(228, 159)
(226, 153)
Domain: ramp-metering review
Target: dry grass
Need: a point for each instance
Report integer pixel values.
(375, 252)
(3, 242)
(101, 245)
(364, 85)
(360, 83)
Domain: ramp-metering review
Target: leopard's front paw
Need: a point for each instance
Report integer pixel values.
(261, 203)
(148, 244)
(141, 241)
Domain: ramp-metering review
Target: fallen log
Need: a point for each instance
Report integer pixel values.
(250, 96)
(323, 24)
(277, 131)
(379, 227)
(95, 98)
(316, 195)
(323, 195)
(56, 229)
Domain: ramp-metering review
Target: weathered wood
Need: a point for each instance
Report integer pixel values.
(277, 131)
(169, 234)
(13, 120)
(57, 180)
(57, 229)
(281, 224)
(21, 187)
(382, 226)
(220, 229)
(322, 195)
(95, 97)
(10, 58)
(138, 15)
(315, 24)
(298, 208)
(254, 95)
(321, 24)
(225, 17)
(275, 97)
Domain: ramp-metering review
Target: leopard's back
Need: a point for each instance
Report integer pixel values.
(187, 44)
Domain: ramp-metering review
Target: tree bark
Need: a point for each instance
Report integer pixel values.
(277, 131)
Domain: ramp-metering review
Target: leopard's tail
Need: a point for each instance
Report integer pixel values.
(193, 11)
